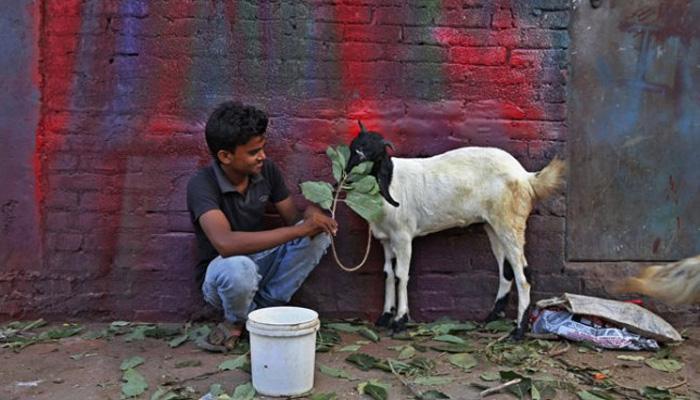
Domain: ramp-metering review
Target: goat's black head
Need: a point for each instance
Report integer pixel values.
(371, 146)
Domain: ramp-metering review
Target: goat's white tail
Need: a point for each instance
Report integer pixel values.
(548, 180)
(675, 283)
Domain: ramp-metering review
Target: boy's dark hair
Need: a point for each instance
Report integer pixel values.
(233, 124)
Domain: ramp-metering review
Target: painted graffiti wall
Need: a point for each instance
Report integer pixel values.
(103, 126)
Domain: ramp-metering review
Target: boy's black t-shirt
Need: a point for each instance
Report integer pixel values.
(209, 189)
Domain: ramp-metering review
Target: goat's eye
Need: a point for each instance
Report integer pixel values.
(360, 153)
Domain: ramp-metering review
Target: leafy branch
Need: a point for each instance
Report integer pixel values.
(359, 187)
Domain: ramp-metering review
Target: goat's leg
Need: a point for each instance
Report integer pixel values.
(505, 276)
(512, 238)
(402, 249)
(389, 287)
(517, 259)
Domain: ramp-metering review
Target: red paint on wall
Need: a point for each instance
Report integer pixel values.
(167, 85)
(366, 69)
(60, 53)
(483, 65)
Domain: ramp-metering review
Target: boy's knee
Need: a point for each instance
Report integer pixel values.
(321, 241)
(238, 271)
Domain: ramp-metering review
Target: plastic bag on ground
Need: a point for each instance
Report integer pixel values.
(581, 329)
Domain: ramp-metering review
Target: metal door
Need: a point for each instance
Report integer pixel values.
(634, 131)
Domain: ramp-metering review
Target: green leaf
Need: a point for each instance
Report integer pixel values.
(654, 393)
(466, 347)
(423, 363)
(334, 372)
(374, 389)
(593, 395)
(463, 360)
(244, 392)
(216, 390)
(367, 184)
(326, 339)
(534, 393)
(325, 396)
(336, 162)
(199, 333)
(399, 367)
(407, 352)
(319, 192)
(444, 328)
(132, 362)
(363, 361)
(239, 362)
(449, 339)
(138, 333)
(500, 325)
(432, 395)
(433, 380)
(60, 333)
(164, 394)
(369, 207)
(665, 364)
(344, 151)
(177, 341)
(92, 335)
(490, 376)
(369, 334)
(163, 331)
(362, 168)
(351, 348)
(343, 327)
(134, 383)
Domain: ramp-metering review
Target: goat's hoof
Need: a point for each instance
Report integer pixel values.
(399, 325)
(517, 335)
(494, 316)
(384, 320)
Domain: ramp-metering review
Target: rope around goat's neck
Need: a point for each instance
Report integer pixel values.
(335, 253)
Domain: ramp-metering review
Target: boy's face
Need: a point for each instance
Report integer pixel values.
(248, 158)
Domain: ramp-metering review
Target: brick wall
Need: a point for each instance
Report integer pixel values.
(127, 85)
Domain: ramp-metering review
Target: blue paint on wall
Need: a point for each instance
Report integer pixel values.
(19, 119)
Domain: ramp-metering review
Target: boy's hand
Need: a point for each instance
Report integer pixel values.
(315, 221)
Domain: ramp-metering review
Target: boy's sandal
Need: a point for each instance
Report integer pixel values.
(223, 337)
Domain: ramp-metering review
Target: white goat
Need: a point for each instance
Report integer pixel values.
(454, 189)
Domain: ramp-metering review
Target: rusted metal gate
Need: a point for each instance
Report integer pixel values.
(634, 130)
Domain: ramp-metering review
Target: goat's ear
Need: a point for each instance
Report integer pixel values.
(384, 175)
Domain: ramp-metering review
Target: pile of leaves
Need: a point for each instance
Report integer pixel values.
(17, 335)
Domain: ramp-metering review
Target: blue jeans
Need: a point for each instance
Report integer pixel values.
(241, 284)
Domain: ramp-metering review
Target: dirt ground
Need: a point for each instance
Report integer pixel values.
(86, 365)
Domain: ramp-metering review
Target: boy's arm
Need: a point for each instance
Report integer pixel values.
(230, 243)
(290, 215)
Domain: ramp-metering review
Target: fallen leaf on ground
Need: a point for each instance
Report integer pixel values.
(334, 372)
(465, 361)
(132, 362)
(134, 383)
(244, 392)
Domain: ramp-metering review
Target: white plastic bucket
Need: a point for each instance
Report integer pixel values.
(283, 350)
